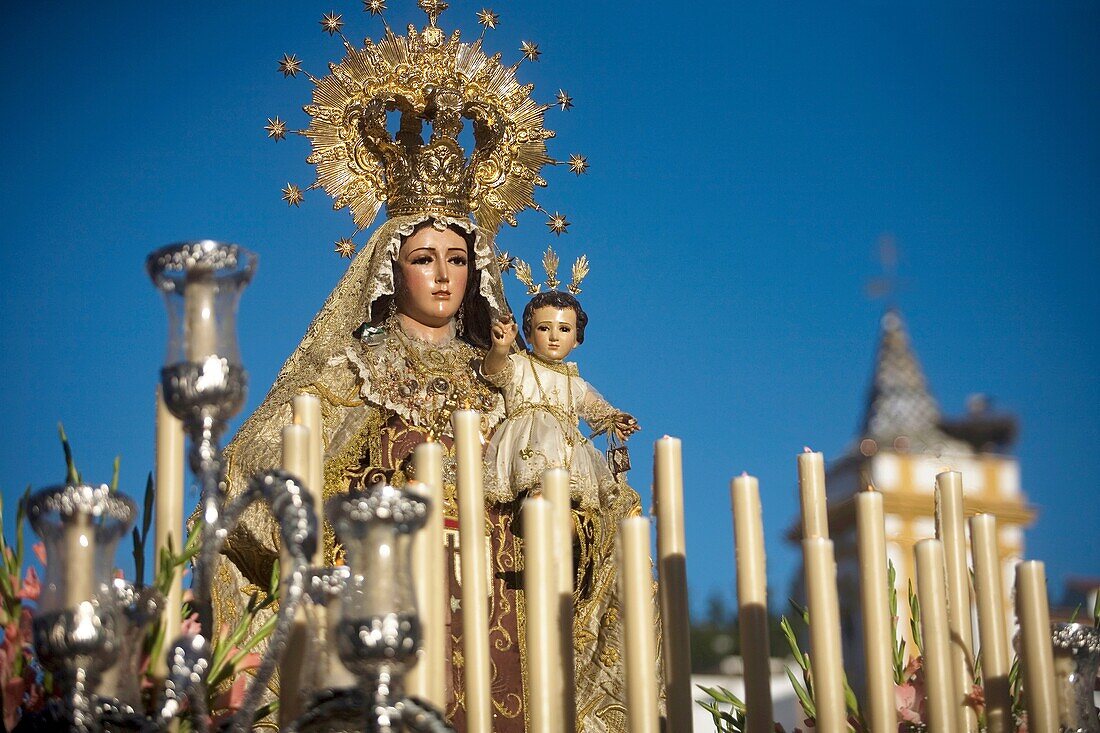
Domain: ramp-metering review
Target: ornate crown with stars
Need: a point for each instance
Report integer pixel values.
(426, 77)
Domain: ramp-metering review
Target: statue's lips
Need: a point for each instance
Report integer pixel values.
(442, 294)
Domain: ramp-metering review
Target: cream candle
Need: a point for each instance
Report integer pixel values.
(668, 503)
(168, 528)
(544, 664)
(939, 681)
(199, 324)
(825, 648)
(306, 409)
(811, 488)
(752, 603)
(428, 678)
(951, 531)
(1037, 650)
(991, 623)
(295, 460)
(555, 489)
(475, 582)
(639, 642)
(874, 596)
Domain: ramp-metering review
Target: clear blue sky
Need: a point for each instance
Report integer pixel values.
(745, 159)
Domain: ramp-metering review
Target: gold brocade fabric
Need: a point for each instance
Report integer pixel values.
(372, 419)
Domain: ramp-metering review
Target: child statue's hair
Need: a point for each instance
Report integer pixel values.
(555, 299)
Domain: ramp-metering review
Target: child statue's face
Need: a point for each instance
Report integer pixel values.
(553, 332)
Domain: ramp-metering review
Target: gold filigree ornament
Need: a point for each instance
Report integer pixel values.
(550, 262)
(427, 77)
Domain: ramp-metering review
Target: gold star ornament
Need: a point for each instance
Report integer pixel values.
(374, 7)
(564, 100)
(505, 261)
(290, 64)
(578, 163)
(488, 19)
(276, 128)
(558, 223)
(292, 195)
(530, 50)
(345, 247)
(332, 23)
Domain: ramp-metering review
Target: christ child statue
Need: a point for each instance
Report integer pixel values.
(544, 399)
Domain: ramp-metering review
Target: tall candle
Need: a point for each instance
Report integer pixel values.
(1037, 653)
(825, 649)
(951, 531)
(668, 501)
(199, 324)
(555, 489)
(428, 679)
(752, 603)
(307, 412)
(991, 623)
(544, 665)
(475, 582)
(874, 596)
(811, 489)
(295, 460)
(169, 520)
(639, 642)
(935, 632)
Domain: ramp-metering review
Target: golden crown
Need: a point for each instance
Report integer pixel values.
(550, 262)
(426, 77)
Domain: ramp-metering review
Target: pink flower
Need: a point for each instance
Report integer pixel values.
(31, 588)
(908, 704)
(13, 701)
(39, 552)
(230, 701)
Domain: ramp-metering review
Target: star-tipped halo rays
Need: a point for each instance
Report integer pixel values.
(488, 19)
(374, 7)
(564, 100)
(578, 163)
(290, 64)
(276, 128)
(530, 50)
(558, 223)
(293, 195)
(345, 247)
(331, 23)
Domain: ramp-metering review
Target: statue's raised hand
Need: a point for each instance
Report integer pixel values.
(504, 335)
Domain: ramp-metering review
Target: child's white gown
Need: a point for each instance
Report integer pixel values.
(543, 402)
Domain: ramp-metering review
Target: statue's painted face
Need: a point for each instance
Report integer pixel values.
(553, 332)
(434, 271)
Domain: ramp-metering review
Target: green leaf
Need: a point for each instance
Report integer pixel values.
(914, 620)
(139, 557)
(20, 520)
(803, 695)
(114, 474)
(72, 476)
(149, 502)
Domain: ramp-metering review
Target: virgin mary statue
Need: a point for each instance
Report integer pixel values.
(395, 348)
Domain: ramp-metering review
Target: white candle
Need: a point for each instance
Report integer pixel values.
(825, 649)
(668, 501)
(951, 531)
(307, 412)
(878, 636)
(555, 489)
(475, 582)
(544, 664)
(1037, 653)
(169, 520)
(639, 641)
(295, 460)
(811, 486)
(991, 623)
(199, 324)
(752, 603)
(935, 632)
(428, 679)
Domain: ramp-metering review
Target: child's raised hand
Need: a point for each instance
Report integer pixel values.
(504, 335)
